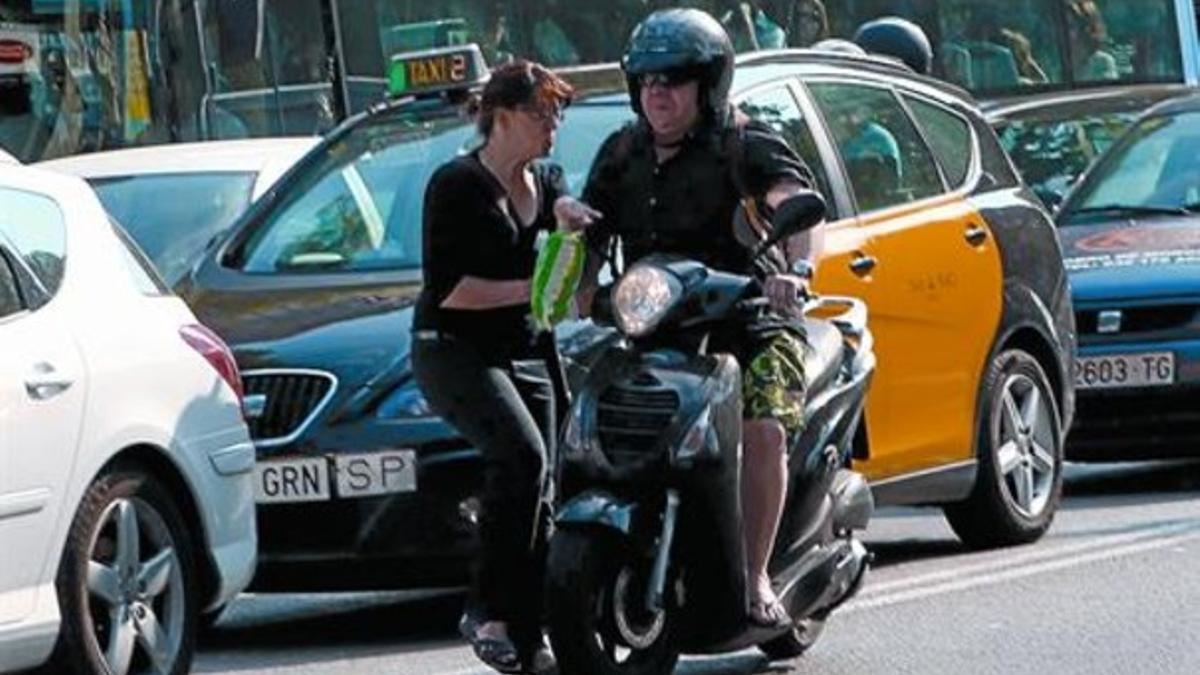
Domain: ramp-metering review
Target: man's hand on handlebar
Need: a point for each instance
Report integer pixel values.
(786, 293)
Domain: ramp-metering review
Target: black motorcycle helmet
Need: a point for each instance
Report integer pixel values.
(682, 40)
(898, 38)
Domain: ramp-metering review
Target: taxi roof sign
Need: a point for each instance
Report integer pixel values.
(436, 70)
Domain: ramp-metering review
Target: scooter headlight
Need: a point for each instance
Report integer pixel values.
(643, 297)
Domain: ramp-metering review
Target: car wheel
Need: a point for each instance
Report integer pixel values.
(1019, 483)
(127, 584)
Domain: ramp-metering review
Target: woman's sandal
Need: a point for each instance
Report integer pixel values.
(497, 653)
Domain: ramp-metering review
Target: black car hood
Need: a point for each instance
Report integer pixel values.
(360, 334)
(1133, 258)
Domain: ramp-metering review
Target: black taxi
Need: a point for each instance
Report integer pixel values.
(359, 486)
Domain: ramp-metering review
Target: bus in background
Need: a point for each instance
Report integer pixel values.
(81, 75)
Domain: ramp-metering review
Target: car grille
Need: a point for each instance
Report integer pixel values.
(1135, 320)
(631, 416)
(1107, 422)
(293, 399)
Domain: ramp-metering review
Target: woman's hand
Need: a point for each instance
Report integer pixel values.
(786, 292)
(573, 215)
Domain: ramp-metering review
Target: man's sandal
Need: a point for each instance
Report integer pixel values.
(769, 614)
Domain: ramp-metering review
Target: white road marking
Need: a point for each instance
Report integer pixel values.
(1010, 560)
(1011, 574)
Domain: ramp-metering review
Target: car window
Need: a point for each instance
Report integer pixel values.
(35, 227)
(1154, 166)
(778, 108)
(173, 216)
(1051, 153)
(585, 126)
(10, 297)
(885, 158)
(949, 136)
(359, 207)
(140, 269)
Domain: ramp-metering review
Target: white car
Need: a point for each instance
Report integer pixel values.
(6, 158)
(126, 501)
(174, 199)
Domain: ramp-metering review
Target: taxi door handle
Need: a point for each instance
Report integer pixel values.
(862, 265)
(976, 235)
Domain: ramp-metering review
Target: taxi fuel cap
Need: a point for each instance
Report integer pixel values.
(431, 71)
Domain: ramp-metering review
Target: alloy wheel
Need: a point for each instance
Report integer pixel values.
(135, 590)
(1024, 448)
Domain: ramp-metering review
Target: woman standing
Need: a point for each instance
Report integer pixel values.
(483, 212)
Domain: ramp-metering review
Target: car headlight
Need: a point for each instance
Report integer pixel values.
(643, 297)
(406, 402)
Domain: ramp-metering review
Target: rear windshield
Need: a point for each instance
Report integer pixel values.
(1052, 154)
(173, 216)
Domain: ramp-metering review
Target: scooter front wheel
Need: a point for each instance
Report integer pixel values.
(595, 596)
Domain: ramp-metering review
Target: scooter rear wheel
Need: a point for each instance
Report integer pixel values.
(795, 642)
(596, 627)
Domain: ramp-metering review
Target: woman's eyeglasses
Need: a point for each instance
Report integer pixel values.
(543, 115)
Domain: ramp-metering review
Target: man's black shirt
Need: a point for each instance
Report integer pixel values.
(685, 206)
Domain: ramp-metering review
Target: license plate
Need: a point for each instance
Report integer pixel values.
(1125, 370)
(376, 473)
(292, 480)
(308, 479)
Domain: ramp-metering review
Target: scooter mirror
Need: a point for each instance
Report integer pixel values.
(794, 215)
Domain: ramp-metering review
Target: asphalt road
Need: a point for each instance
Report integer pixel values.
(1113, 588)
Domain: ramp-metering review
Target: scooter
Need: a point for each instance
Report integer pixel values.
(647, 560)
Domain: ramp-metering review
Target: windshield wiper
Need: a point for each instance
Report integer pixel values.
(1134, 210)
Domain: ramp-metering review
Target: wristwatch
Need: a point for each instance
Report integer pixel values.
(803, 268)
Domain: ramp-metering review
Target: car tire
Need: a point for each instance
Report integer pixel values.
(1020, 451)
(127, 582)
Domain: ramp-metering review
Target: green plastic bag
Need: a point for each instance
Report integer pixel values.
(556, 278)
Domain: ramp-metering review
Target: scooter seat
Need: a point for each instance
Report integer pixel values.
(823, 357)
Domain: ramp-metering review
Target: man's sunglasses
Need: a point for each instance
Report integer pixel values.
(668, 79)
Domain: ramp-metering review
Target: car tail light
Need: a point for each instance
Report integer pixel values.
(217, 353)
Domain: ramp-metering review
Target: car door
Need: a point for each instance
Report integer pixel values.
(931, 276)
(782, 105)
(41, 395)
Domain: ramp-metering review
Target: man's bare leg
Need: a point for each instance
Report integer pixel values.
(764, 485)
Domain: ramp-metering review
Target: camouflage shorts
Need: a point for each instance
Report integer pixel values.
(774, 384)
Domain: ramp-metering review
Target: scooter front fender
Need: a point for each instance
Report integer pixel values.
(597, 507)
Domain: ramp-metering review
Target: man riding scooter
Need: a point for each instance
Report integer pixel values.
(671, 182)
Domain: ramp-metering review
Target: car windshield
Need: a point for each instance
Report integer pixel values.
(358, 208)
(1051, 153)
(173, 216)
(1154, 168)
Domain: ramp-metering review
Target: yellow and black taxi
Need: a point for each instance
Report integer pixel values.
(359, 486)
